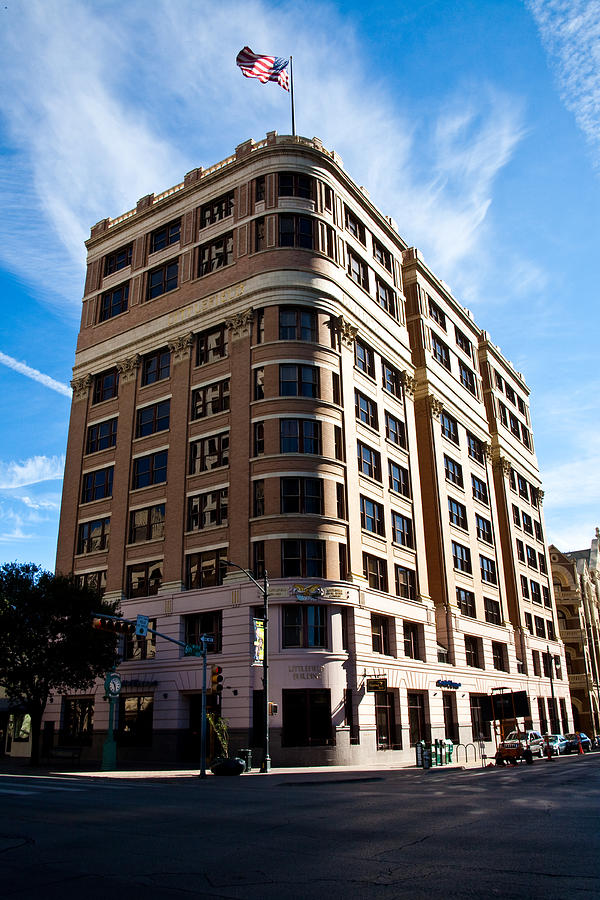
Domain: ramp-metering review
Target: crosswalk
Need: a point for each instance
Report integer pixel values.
(31, 785)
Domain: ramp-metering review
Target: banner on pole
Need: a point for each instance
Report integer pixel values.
(259, 642)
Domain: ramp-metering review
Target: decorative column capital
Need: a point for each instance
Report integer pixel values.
(436, 406)
(81, 387)
(240, 323)
(181, 346)
(346, 331)
(127, 368)
(408, 383)
(487, 449)
(541, 494)
(501, 462)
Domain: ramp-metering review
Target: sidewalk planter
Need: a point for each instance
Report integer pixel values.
(228, 766)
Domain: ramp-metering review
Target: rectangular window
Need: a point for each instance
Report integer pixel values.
(259, 438)
(97, 485)
(413, 643)
(299, 436)
(529, 622)
(296, 231)
(524, 587)
(371, 516)
(546, 594)
(440, 351)
(500, 656)
(340, 495)
(258, 499)
(164, 236)
(207, 509)
(461, 556)
(101, 436)
(437, 314)
(335, 388)
(147, 524)
(208, 453)
(542, 564)
(466, 602)
(259, 235)
(302, 559)
(514, 425)
(406, 583)
(156, 366)
(484, 529)
(449, 427)
(139, 648)
(216, 254)
(358, 270)
(531, 557)
(364, 358)
(402, 530)
(527, 523)
(538, 530)
(520, 550)
(472, 652)
(135, 720)
(525, 436)
(391, 379)
(458, 513)
(395, 430)
(481, 729)
(480, 491)
(476, 448)
(211, 345)
(298, 381)
(217, 210)
(540, 627)
(386, 297)
(493, 613)
(503, 413)
(536, 596)
(144, 579)
(302, 495)
(381, 627)
(77, 720)
(516, 515)
(259, 383)
(210, 399)
(259, 188)
(151, 419)
(96, 581)
(304, 626)
(293, 184)
(338, 444)
(163, 279)
(297, 324)
(453, 471)
(117, 260)
(382, 255)
(523, 487)
(207, 623)
(535, 657)
(510, 394)
(151, 469)
(93, 536)
(113, 302)
(488, 570)
(375, 571)
(467, 377)
(463, 342)
(369, 461)
(354, 225)
(258, 558)
(306, 717)
(106, 386)
(365, 410)
(498, 380)
(205, 569)
(550, 630)
(399, 479)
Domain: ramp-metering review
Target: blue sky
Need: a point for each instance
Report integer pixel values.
(476, 125)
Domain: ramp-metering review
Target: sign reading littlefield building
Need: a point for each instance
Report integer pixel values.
(306, 673)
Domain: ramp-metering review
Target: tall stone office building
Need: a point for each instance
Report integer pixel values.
(267, 373)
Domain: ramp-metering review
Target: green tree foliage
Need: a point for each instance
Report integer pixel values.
(47, 643)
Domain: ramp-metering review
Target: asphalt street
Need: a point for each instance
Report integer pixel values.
(531, 831)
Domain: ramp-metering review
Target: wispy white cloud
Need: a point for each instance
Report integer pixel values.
(50, 503)
(30, 471)
(89, 138)
(570, 33)
(26, 370)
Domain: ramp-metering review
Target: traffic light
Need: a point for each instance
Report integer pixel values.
(115, 626)
(216, 679)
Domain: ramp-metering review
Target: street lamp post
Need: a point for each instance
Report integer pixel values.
(264, 589)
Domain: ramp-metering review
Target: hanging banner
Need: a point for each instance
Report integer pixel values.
(259, 642)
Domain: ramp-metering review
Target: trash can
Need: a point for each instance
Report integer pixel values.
(246, 755)
(419, 748)
(449, 749)
(427, 756)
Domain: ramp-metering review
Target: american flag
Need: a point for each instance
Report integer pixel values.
(265, 68)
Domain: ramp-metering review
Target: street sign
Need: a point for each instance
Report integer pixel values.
(376, 684)
(141, 626)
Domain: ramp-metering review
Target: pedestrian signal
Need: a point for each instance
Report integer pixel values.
(216, 679)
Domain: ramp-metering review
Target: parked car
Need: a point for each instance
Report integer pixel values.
(517, 743)
(573, 742)
(558, 743)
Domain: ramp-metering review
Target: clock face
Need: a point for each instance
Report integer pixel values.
(114, 684)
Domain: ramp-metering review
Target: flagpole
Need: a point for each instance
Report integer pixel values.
(292, 97)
